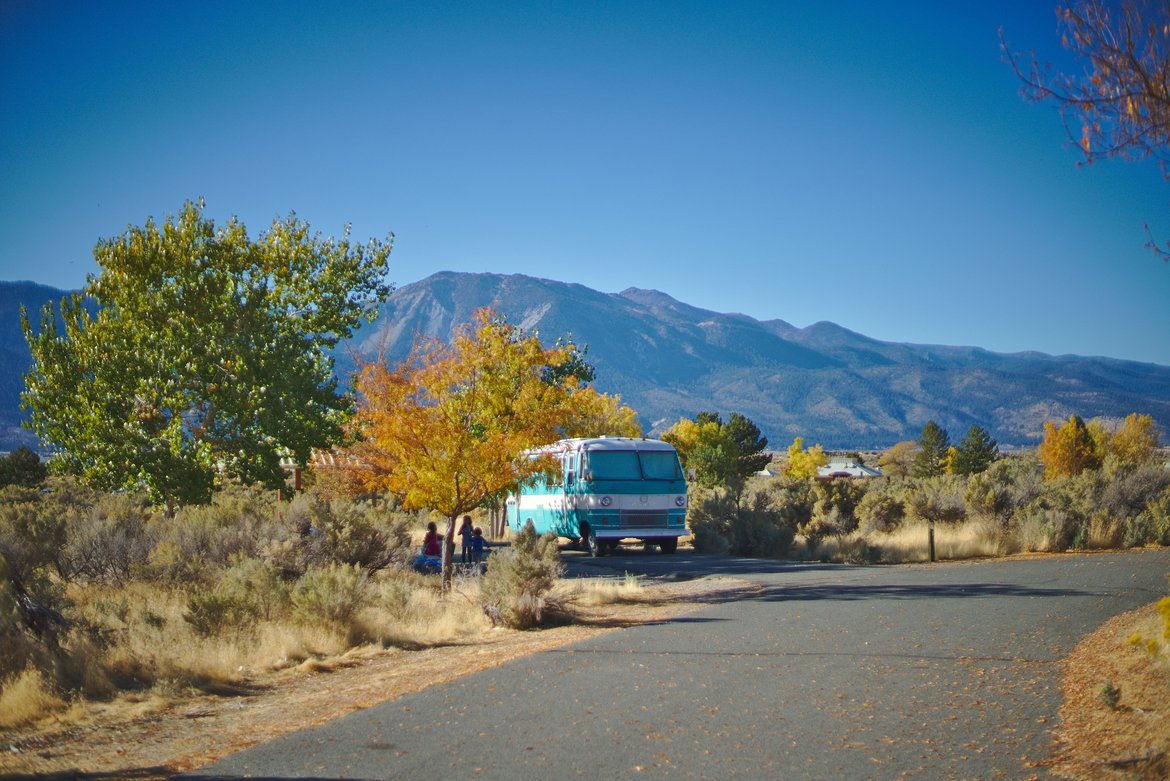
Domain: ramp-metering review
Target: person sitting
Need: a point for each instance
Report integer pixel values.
(431, 545)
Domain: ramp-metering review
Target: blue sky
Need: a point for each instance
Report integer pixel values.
(866, 163)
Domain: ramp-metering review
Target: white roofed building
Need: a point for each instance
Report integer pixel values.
(846, 466)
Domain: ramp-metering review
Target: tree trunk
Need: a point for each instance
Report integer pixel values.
(448, 553)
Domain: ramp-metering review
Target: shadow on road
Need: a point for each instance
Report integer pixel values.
(815, 592)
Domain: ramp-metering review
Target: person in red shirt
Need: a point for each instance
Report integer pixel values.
(431, 545)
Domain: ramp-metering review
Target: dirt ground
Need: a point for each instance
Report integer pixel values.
(154, 738)
(1131, 740)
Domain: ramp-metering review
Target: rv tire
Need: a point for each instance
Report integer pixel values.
(593, 544)
(668, 544)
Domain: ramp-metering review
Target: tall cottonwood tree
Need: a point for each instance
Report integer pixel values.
(1118, 104)
(207, 354)
(449, 427)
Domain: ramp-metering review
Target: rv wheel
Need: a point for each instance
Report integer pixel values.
(668, 544)
(592, 543)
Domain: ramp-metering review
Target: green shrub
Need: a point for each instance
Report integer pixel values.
(212, 612)
(759, 530)
(1111, 695)
(1152, 525)
(31, 533)
(754, 527)
(518, 578)
(879, 511)
(709, 518)
(332, 595)
(258, 584)
(249, 591)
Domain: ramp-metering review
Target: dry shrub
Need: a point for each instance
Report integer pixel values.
(412, 610)
(27, 697)
(371, 532)
(107, 540)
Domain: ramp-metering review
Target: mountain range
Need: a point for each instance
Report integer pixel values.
(668, 359)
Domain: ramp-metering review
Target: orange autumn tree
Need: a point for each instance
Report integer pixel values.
(449, 427)
(1068, 449)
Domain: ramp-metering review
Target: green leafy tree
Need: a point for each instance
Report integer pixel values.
(721, 454)
(931, 458)
(22, 467)
(208, 354)
(705, 448)
(976, 452)
(750, 443)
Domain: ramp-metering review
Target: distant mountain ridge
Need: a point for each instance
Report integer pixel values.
(824, 382)
(668, 359)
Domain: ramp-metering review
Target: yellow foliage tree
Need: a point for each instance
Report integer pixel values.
(802, 464)
(449, 427)
(950, 459)
(1068, 449)
(1136, 441)
(896, 461)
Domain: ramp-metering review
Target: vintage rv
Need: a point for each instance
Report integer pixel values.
(604, 490)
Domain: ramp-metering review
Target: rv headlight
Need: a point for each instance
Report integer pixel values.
(680, 501)
(606, 501)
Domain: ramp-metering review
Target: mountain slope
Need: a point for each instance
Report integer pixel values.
(14, 355)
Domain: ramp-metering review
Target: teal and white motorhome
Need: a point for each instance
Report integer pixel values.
(605, 490)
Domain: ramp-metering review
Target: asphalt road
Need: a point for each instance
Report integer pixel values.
(829, 671)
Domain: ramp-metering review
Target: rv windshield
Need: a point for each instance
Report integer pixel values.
(624, 465)
(614, 465)
(661, 465)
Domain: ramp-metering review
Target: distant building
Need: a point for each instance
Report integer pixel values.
(844, 466)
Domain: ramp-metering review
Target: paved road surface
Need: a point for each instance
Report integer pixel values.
(939, 671)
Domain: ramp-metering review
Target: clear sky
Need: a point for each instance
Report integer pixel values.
(866, 163)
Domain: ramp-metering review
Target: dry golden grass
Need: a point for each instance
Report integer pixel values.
(909, 543)
(597, 592)
(148, 653)
(26, 698)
